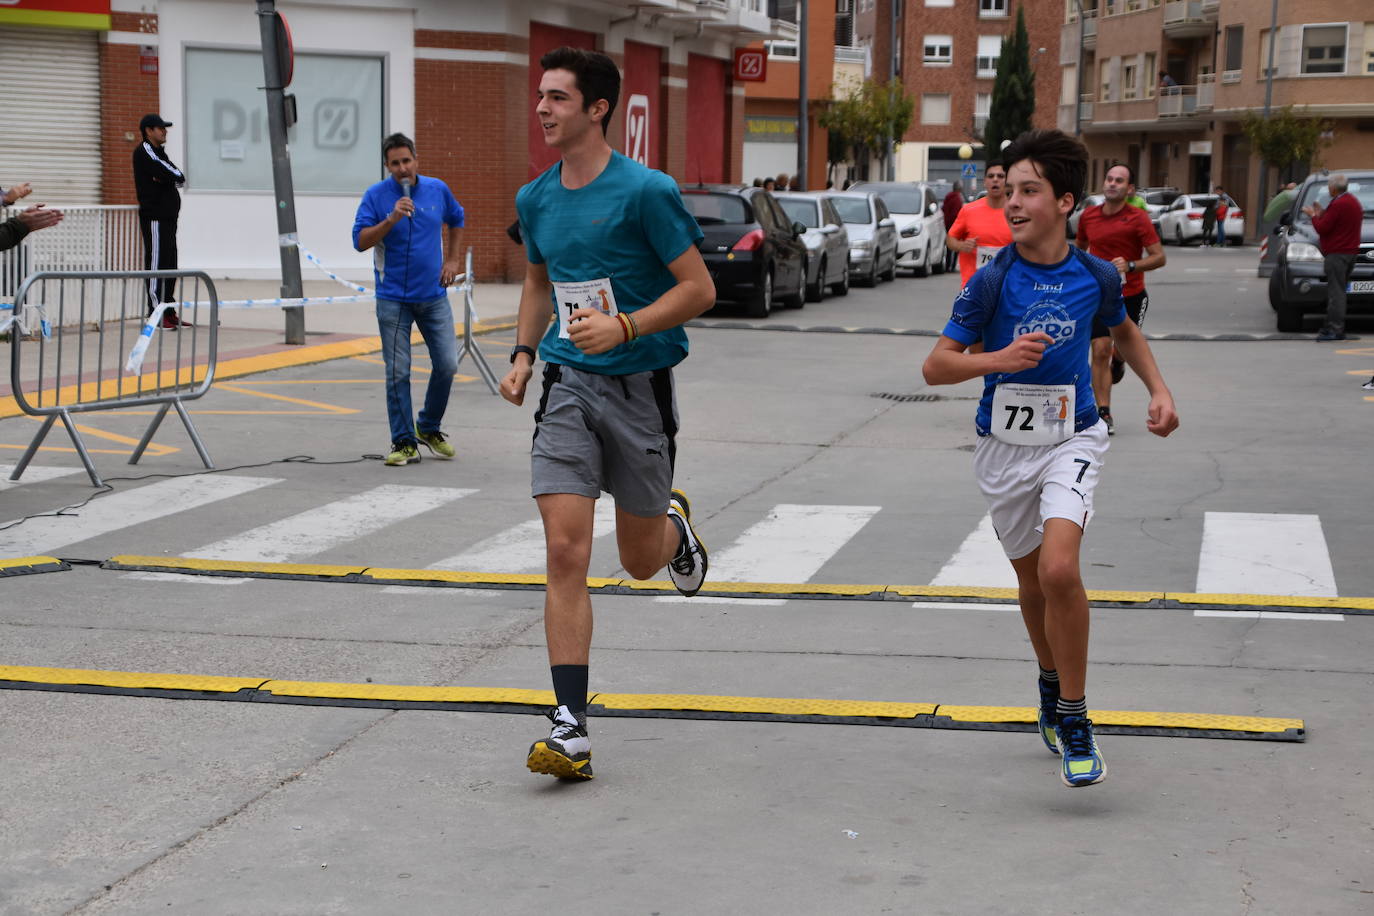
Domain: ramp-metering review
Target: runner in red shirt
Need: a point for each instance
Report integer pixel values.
(1117, 232)
(980, 230)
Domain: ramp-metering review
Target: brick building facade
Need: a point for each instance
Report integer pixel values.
(457, 75)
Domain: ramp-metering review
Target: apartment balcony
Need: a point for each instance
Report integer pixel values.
(1069, 121)
(845, 55)
(1189, 18)
(1181, 103)
(743, 20)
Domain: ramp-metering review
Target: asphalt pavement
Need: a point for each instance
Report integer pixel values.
(811, 457)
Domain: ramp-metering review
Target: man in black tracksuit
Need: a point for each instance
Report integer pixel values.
(156, 179)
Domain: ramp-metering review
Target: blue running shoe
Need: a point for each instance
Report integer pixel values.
(1083, 765)
(1049, 702)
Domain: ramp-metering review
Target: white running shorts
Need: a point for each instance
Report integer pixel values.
(1026, 484)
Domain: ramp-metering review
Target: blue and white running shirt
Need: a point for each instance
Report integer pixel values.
(1011, 296)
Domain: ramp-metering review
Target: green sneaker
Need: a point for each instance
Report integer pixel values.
(435, 442)
(403, 453)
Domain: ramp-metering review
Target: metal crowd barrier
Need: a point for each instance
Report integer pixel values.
(74, 334)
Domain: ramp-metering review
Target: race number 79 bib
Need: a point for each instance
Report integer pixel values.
(985, 254)
(1032, 414)
(586, 294)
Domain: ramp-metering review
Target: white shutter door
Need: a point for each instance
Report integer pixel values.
(50, 113)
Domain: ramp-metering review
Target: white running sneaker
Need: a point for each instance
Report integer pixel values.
(567, 752)
(688, 568)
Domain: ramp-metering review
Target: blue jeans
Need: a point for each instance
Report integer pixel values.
(1221, 232)
(435, 321)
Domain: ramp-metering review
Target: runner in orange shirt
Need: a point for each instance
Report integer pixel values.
(981, 228)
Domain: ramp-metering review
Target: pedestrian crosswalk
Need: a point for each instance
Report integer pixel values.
(1255, 553)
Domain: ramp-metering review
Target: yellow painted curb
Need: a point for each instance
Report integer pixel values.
(198, 565)
(127, 680)
(783, 706)
(1131, 718)
(1264, 601)
(409, 694)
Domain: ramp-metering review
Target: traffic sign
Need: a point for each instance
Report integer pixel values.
(969, 170)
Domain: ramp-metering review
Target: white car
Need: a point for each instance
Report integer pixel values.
(1181, 221)
(920, 224)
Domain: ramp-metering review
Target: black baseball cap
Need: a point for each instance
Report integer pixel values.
(153, 120)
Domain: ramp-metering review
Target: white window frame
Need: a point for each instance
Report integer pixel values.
(1130, 76)
(938, 42)
(993, 9)
(1302, 48)
(988, 72)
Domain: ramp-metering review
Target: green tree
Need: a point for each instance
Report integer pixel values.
(1013, 91)
(1287, 140)
(863, 118)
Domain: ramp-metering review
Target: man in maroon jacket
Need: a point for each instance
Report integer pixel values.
(1338, 228)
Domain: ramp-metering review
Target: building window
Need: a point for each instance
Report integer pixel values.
(1264, 69)
(982, 107)
(992, 9)
(939, 50)
(1369, 47)
(939, 2)
(897, 53)
(1235, 47)
(1106, 82)
(1129, 74)
(333, 146)
(1323, 48)
(935, 108)
(989, 50)
(1149, 76)
(786, 49)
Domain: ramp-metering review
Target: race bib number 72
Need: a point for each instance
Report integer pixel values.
(1032, 414)
(586, 294)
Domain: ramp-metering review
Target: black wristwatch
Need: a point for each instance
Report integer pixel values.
(1130, 267)
(521, 348)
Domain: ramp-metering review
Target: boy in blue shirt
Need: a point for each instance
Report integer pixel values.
(1024, 323)
(613, 259)
(408, 220)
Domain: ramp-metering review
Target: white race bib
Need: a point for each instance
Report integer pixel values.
(986, 253)
(586, 294)
(1032, 414)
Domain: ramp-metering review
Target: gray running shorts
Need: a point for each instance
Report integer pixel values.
(612, 433)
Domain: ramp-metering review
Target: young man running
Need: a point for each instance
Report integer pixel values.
(980, 230)
(1041, 444)
(612, 254)
(1117, 232)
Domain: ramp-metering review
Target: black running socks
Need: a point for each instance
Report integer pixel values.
(570, 687)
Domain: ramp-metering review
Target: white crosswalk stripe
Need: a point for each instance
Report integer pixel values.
(790, 545)
(519, 549)
(980, 560)
(1241, 552)
(1265, 554)
(314, 531)
(32, 474)
(124, 509)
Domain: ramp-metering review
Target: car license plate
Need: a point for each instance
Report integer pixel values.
(1360, 286)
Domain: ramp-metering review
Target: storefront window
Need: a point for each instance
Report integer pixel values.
(335, 144)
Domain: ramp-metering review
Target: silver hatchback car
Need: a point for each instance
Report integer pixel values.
(826, 239)
(872, 235)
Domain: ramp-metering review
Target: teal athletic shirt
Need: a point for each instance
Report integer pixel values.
(627, 226)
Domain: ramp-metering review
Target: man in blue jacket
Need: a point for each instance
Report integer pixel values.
(409, 220)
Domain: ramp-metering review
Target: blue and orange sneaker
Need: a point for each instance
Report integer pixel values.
(1082, 764)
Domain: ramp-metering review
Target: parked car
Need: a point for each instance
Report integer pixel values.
(1091, 200)
(920, 225)
(827, 243)
(1157, 200)
(1297, 286)
(872, 235)
(754, 252)
(1181, 221)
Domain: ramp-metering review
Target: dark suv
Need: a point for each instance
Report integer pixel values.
(754, 252)
(1297, 286)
